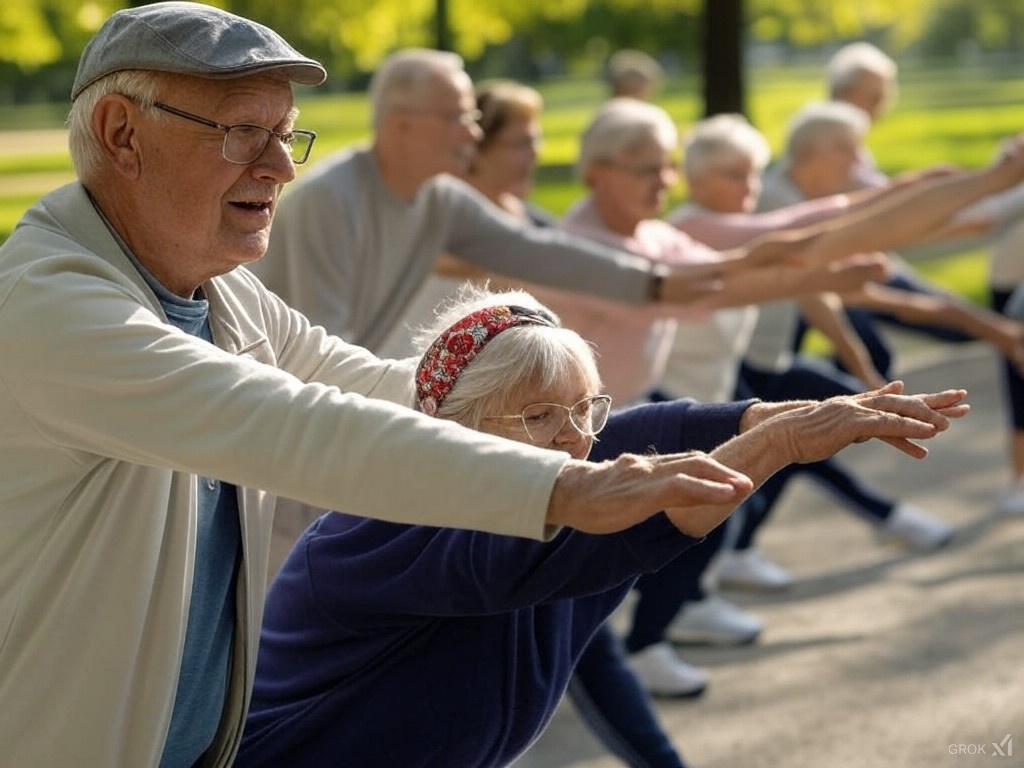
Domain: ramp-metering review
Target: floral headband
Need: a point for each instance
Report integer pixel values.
(450, 353)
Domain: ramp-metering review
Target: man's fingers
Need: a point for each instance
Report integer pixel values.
(687, 490)
(699, 479)
(702, 466)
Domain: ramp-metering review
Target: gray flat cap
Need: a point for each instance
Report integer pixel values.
(190, 39)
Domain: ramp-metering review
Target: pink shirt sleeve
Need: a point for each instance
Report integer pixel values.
(732, 230)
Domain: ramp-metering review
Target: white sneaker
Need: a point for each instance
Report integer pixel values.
(660, 670)
(714, 621)
(1011, 503)
(748, 569)
(916, 529)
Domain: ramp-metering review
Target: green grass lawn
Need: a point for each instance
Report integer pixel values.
(948, 114)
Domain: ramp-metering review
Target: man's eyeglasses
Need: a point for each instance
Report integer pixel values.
(244, 143)
(543, 421)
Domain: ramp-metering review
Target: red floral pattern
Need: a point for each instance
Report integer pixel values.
(450, 353)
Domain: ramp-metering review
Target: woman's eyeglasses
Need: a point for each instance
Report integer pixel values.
(543, 421)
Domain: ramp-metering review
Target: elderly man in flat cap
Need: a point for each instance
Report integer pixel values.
(150, 386)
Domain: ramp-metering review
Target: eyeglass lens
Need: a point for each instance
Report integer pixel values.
(543, 421)
(244, 143)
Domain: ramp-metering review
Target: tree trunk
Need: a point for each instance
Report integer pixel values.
(722, 57)
(442, 30)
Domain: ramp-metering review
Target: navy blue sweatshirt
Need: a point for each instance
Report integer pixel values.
(398, 645)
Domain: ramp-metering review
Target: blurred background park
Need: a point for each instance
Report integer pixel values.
(961, 73)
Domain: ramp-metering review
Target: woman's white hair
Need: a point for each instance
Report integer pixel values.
(527, 355)
(140, 85)
(722, 140)
(403, 76)
(622, 124)
(853, 61)
(820, 121)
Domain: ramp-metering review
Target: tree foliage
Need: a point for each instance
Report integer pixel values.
(40, 40)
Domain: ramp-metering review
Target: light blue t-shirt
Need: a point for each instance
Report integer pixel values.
(206, 658)
(202, 683)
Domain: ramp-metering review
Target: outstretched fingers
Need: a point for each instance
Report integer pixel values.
(900, 420)
(950, 403)
(935, 408)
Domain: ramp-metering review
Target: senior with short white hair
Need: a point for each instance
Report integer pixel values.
(863, 75)
(820, 155)
(820, 122)
(403, 81)
(621, 125)
(723, 140)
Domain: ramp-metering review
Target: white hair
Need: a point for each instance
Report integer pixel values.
(622, 124)
(403, 76)
(525, 355)
(721, 140)
(824, 120)
(140, 85)
(853, 61)
(630, 72)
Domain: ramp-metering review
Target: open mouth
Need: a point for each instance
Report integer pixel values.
(255, 205)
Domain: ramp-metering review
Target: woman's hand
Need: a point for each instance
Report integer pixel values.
(815, 432)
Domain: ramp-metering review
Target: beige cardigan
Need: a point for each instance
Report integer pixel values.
(107, 417)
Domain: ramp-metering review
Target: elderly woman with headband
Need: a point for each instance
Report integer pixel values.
(387, 644)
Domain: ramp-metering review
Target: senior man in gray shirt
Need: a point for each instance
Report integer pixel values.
(357, 236)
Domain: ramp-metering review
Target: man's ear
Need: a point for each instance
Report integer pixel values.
(114, 122)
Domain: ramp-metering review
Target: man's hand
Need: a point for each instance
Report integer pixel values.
(615, 495)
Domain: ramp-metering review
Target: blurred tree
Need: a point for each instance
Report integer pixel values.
(962, 27)
(799, 23)
(40, 40)
(722, 47)
(442, 26)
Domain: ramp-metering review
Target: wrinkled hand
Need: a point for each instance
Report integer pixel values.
(815, 432)
(615, 495)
